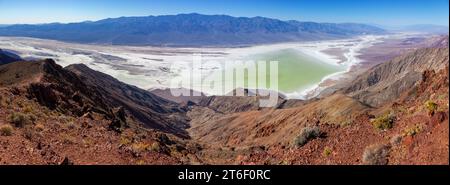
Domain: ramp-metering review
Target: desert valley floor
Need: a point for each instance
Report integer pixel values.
(383, 101)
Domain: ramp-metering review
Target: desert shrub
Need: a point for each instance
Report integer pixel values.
(19, 104)
(412, 130)
(376, 154)
(68, 139)
(395, 140)
(127, 138)
(6, 130)
(306, 134)
(64, 119)
(431, 107)
(384, 121)
(87, 142)
(156, 147)
(138, 148)
(173, 151)
(346, 123)
(39, 127)
(19, 119)
(29, 132)
(28, 109)
(140, 162)
(124, 141)
(71, 125)
(326, 152)
(31, 117)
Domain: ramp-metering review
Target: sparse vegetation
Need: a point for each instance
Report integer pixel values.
(156, 147)
(138, 148)
(6, 130)
(326, 152)
(306, 134)
(395, 140)
(68, 139)
(29, 132)
(126, 138)
(71, 125)
(39, 127)
(19, 119)
(87, 142)
(124, 141)
(28, 109)
(6, 102)
(140, 162)
(431, 107)
(346, 123)
(64, 119)
(411, 131)
(384, 121)
(174, 151)
(376, 154)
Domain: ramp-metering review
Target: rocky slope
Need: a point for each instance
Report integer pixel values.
(386, 81)
(80, 91)
(53, 115)
(143, 106)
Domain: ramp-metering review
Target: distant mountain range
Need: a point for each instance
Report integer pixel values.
(189, 30)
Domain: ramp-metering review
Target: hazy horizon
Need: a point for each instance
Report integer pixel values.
(385, 13)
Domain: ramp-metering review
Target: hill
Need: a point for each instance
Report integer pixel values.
(8, 57)
(80, 91)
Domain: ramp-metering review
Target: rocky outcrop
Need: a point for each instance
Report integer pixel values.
(232, 102)
(183, 99)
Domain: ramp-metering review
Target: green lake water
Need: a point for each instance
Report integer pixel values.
(296, 71)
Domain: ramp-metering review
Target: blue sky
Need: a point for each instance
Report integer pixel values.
(383, 12)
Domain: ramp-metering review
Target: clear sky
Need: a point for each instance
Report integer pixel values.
(383, 12)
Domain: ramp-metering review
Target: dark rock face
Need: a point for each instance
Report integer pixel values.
(8, 57)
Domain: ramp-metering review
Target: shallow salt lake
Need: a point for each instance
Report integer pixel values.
(296, 71)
